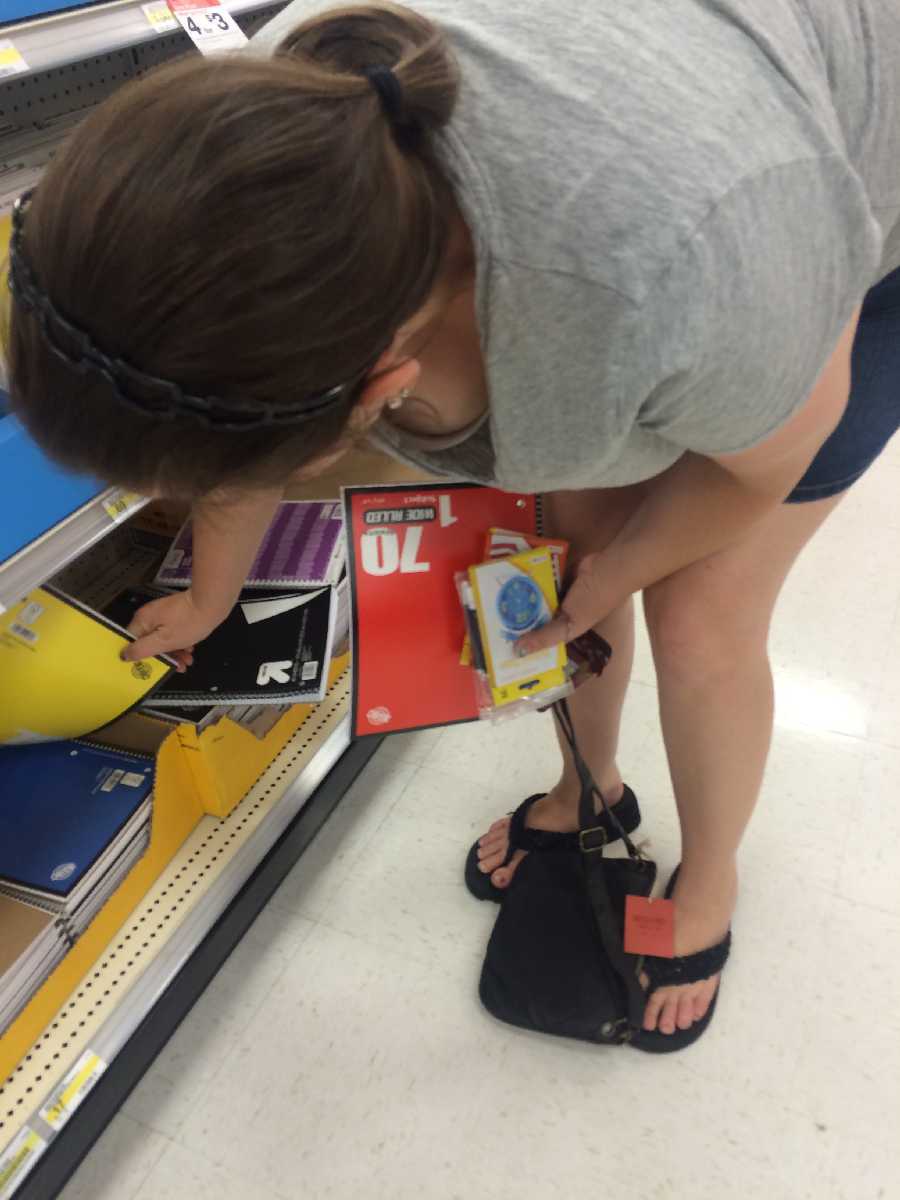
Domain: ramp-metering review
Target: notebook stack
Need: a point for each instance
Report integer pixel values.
(303, 547)
(74, 820)
(32, 943)
(275, 647)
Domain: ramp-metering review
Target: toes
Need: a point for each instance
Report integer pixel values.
(704, 998)
(490, 862)
(502, 877)
(653, 1009)
(491, 853)
(492, 840)
(500, 826)
(684, 1018)
(669, 1014)
(669, 1009)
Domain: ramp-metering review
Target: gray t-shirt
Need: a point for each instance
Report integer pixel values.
(676, 208)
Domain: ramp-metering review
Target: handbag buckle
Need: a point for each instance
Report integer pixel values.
(618, 1032)
(591, 844)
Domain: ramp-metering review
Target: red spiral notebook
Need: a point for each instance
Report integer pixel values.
(405, 545)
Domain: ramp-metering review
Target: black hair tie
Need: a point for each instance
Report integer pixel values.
(390, 93)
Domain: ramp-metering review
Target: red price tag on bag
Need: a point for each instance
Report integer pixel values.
(649, 926)
(210, 27)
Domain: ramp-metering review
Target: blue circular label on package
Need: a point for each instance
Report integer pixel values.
(520, 603)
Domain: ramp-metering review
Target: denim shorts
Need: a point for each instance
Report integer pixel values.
(873, 412)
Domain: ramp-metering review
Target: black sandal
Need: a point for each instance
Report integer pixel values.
(627, 812)
(669, 972)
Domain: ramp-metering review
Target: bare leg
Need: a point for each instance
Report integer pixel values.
(709, 627)
(596, 707)
(597, 712)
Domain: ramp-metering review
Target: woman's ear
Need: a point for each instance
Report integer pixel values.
(387, 379)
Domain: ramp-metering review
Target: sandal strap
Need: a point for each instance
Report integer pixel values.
(691, 968)
(523, 838)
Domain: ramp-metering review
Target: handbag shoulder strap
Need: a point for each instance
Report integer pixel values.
(593, 865)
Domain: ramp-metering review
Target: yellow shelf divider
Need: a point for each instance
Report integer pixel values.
(177, 809)
(196, 776)
(226, 759)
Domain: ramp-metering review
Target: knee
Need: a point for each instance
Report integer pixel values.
(697, 640)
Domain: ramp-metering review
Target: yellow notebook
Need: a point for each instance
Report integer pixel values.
(60, 671)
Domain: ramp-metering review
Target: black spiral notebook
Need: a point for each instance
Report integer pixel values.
(274, 647)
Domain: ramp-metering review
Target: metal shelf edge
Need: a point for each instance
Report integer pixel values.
(37, 562)
(62, 38)
(150, 1013)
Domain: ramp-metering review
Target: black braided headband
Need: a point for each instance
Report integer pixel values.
(127, 382)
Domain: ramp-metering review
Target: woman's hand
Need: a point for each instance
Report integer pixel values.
(171, 625)
(227, 530)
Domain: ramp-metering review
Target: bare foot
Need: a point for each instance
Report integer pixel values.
(703, 910)
(555, 811)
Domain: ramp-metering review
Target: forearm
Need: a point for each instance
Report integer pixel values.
(690, 512)
(227, 531)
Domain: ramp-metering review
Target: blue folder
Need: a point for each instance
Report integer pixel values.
(35, 494)
(61, 805)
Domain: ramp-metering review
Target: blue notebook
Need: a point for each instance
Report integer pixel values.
(35, 494)
(63, 806)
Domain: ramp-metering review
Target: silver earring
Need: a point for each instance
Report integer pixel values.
(396, 402)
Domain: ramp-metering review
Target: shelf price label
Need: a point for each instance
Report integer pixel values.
(159, 16)
(120, 504)
(20, 1156)
(11, 61)
(210, 27)
(74, 1087)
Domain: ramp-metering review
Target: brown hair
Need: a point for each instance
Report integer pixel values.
(252, 228)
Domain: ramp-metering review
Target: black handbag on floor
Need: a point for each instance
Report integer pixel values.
(555, 962)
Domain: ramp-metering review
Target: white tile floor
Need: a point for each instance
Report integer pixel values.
(342, 1052)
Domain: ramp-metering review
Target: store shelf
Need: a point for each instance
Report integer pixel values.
(59, 545)
(82, 33)
(175, 941)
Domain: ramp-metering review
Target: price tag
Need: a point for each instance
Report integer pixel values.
(159, 16)
(120, 504)
(649, 926)
(76, 1085)
(21, 1155)
(11, 61)
(209, 26)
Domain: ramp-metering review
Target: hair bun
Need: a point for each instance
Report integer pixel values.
(354, 42)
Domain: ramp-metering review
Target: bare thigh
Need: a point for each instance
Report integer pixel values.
(732, 594)
(589, 520)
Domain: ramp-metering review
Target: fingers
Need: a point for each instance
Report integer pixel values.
(582, 608)
(554, 633)
(183, 660)
(146, 647)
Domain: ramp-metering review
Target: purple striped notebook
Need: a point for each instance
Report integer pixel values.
(303, 547)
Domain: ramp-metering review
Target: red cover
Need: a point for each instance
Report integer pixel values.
(405, 545)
